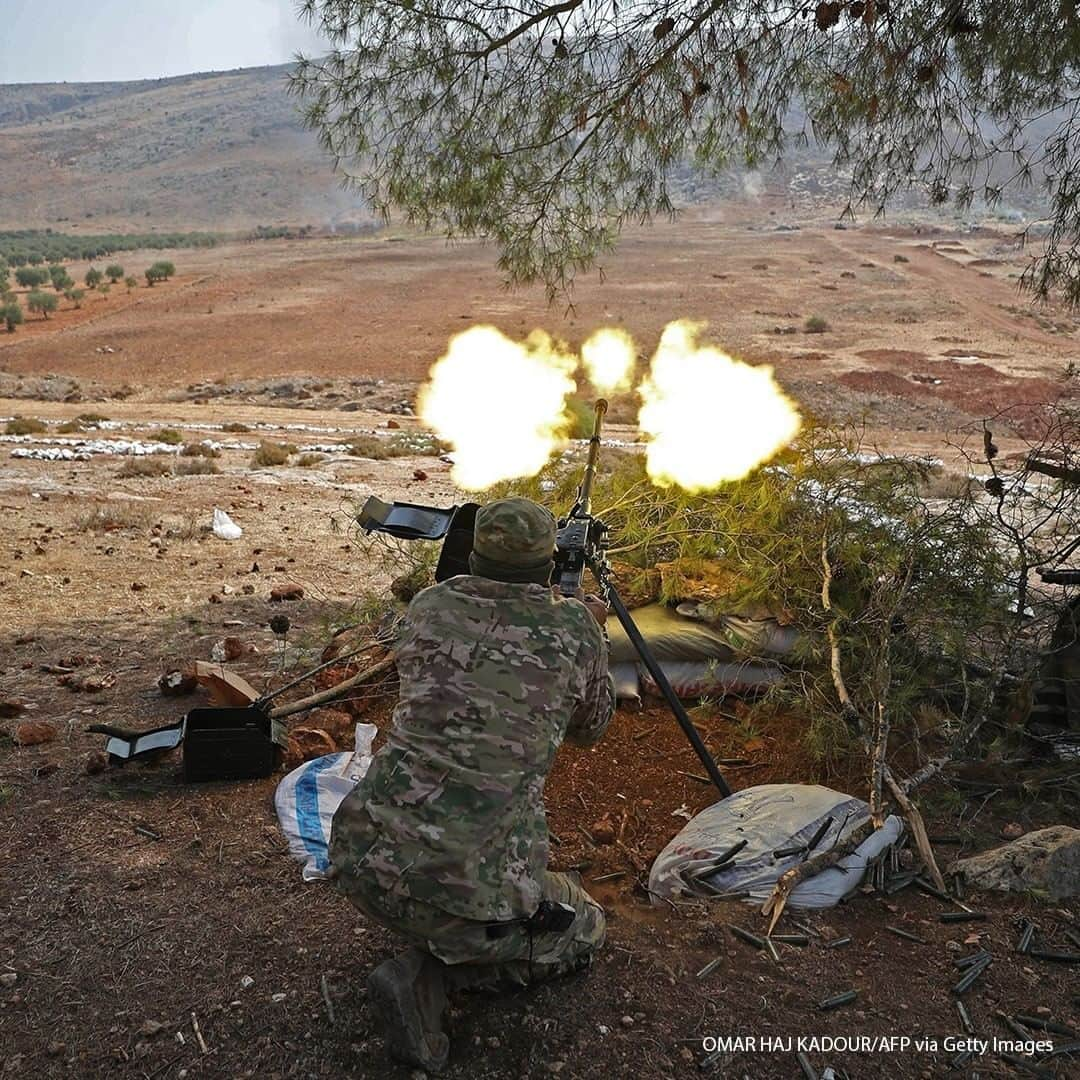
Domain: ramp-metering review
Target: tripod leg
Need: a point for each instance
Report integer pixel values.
(661, 680)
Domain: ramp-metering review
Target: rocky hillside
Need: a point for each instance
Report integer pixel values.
(222, 150)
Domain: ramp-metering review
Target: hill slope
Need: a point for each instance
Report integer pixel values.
(222, 150)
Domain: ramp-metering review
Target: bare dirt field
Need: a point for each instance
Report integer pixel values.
(135, 910)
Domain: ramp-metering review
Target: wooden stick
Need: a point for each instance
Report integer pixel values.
(774, 905)
(917, 826)
(323, 696)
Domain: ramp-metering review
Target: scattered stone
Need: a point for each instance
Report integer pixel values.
(97, 761)
(150, 1028)
(55, 1049)
(214, 598)
(603, 831)
(138, 586)
(248, 590)
(8, 978)
(1046, 862)
(419, 474)
(227, 650)
(627, 1021)
(247, 982)
(1012, 831)
(307, 743)
(34, 733)
(285, 593)
(277, 999)
(392, 424)
(177, 682)
(10, 709)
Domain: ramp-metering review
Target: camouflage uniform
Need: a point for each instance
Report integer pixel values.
(446, 835)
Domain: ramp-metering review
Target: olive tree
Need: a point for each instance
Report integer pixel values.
(93, 278)
(114, 272)
(12, 316)
(548, 126)
(42, 302)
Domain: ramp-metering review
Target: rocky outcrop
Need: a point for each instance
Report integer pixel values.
(1045, 862)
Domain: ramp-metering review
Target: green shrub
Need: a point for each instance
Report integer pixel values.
(154, 465)
(198, 449)
(24, 425)
(235, 427)
(131, 283)
(71, 427)
(93, 278)
(269, 454)
(115, 272)
(92, 418)
(169, 436)
(900, 259)
(401, 444)
(75, 296)
(815, 325)
(12, 316)
(307, 461)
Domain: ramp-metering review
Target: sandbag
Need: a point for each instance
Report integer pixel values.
(695, 678)
(771, 818)
(308, 797)
(745, 636)
(669, 637)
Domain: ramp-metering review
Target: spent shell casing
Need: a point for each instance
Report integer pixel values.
(899, 882)
(962, 916)
(772, 950)
(932, 889)
(813, 933)
(1021, 1033)
(1026, 937)
(1056, 957)
(791, 939)
(710, 967)
(958, 1061)
(1038, 1023)
(745, 935)
(973, 958)
(834, 1002)
(969, 1027)
(1073, 937)
(804, 1063)
(906, 935)
(1029, 1068)
(787, 852)
(836, 943)
(730, 853)
(816, 839)
(970, 976)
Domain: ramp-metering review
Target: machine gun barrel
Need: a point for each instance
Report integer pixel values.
(584, 502)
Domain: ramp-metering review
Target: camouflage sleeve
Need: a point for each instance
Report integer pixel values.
(595, 705)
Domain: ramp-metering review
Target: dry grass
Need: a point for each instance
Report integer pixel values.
(815, 325)
(235, 427)
(71, 427)
(156, 465)
(198, 466)
(307, 461)
(270, 454)
(24, 425)
(109, 517)
(198, 449)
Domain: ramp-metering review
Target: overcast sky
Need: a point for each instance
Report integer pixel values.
(44, 41)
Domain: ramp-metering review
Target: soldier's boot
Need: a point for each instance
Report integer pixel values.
(408, 996)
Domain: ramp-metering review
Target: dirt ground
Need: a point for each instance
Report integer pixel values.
(160, 930)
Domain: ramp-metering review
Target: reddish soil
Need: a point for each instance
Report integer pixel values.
(120, 939)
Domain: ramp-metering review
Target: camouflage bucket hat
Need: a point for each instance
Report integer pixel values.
(515, 533)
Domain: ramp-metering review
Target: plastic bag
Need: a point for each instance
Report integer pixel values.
(771, 818)
(307, 799)
(224, 527)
